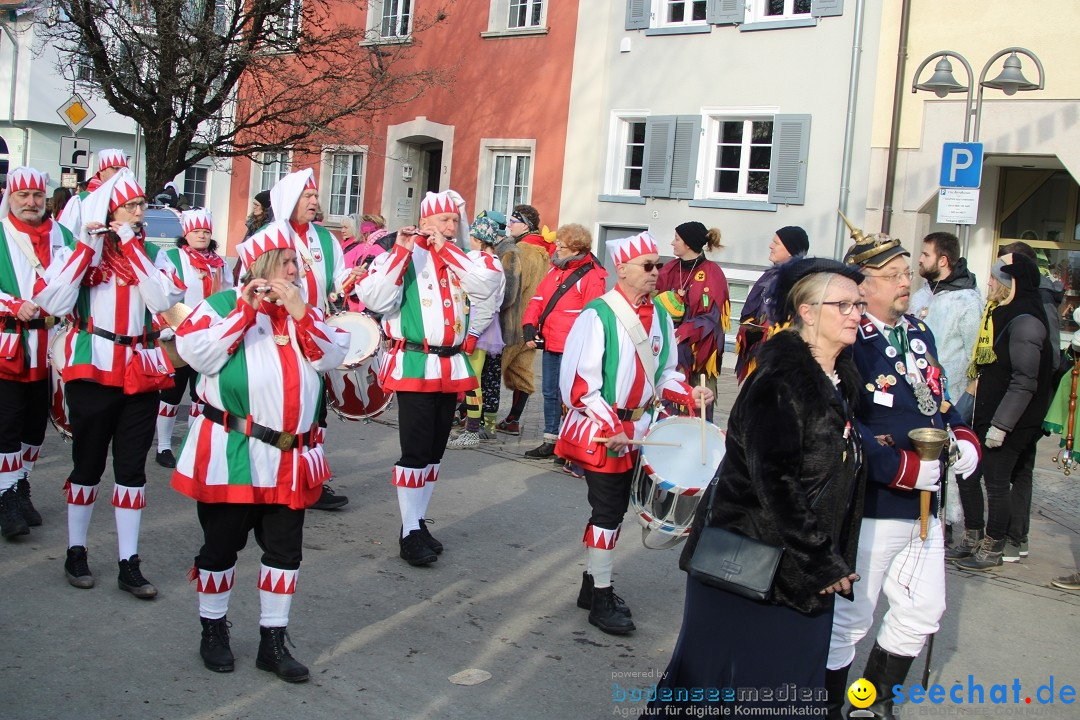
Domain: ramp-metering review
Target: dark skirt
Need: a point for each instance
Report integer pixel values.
(736, 652)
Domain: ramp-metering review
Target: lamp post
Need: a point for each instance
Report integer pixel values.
(1010, 80)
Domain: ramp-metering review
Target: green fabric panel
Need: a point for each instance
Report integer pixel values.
(174, 257)
(10, 284)
(611, 349)
(232, 381)
(83, 352)
(412, 324)
(326, 240)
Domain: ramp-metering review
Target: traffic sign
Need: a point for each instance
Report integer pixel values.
(75, 152)
(958, 206)
(69, 180)
(75, 113)
(961, 165)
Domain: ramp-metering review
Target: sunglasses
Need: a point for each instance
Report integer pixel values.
(646, 266)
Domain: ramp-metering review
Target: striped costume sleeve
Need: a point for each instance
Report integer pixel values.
(325, 347)
(160, 289)
(581, 372)
(381, 288)
(206, 340)
(64, 277)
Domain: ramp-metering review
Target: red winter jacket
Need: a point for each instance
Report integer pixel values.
(557, 324)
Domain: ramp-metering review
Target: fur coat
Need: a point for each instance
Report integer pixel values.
(789, 477)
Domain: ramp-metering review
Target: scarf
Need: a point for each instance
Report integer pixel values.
(39, 237)
(984, 347)
(562, 263)
(209, 265)
(113, 263)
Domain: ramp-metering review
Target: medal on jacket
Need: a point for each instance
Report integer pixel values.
(927, 405)
(281, 339)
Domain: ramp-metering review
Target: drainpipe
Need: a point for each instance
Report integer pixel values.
(14, 85)
(897, 105)
(849, 127)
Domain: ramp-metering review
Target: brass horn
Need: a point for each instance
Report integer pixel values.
(928, 443)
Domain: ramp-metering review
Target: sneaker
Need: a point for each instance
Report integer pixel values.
(510, 427)
(544, 450)
(486, 435)
(77, 569)
(131, 579)
(429, 538)
(26, 508)
(1067, 582)
(329, 500)
(1011, 553)
(415, 550)
(464, 440)
(1023, 547)
(165, 459)
(12, 522)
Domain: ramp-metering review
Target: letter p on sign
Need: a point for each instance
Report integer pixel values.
(961, 165)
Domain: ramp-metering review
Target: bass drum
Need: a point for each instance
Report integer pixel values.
(364, 337)
(58, 410)
(356, 393)
(670, 479)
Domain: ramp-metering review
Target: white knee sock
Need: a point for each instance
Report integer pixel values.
(276, 589)
(601, 563)
(411, 504)
(80, 507)
(214, 590)
(166, 420)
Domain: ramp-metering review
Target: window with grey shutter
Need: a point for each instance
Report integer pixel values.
(684, 157)
(638, 14)
(791, 148)
(659, 151)
(827, 8)
(725, 12)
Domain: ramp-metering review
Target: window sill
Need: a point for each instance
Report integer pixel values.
(679, 30)
(514, 33)
(778, 24)
(761, 206)
(625, 199)
(386, 41)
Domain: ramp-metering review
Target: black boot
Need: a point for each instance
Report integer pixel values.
(12, 522)
(29, 512)
(984, 556)
(214, 648)
(883, 671)
(966, 546)
(131, 579)
(604, 615)
(584, 596)
(836, 685)
(274, 656)
(544, 450)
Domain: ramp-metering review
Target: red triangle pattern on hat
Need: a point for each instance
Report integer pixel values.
(436, 203)
(310, 183)
(26, 178)
(111, 158)
(267, 239)
(196, 220)
(124, 191)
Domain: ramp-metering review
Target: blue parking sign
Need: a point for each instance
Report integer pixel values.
(961, 165)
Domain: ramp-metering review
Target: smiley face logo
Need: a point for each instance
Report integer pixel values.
(862, 693)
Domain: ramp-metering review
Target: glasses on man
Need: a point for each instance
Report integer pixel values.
(895, 277)
(134, 205)
(846, 307)
(646, 266)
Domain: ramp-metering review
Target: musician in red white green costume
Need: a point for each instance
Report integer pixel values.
(609, 394)
(420, 289)
(253, 459)
(109, 162)
(30, 243)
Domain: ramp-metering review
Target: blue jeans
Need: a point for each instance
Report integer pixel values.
(550, 365)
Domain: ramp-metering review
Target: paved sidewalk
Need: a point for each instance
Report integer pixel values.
(382, 638)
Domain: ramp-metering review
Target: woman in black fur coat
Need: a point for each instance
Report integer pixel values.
(790, 477)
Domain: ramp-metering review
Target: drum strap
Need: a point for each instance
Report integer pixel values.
(630, 321)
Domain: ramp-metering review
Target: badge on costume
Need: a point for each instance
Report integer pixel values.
(316, 253)
(918, 346)
(426, 302)
(900, 368)
(656, 344)
(446, 303)
(700, 277)
(883, 398)
(890, 352)
(921, 363)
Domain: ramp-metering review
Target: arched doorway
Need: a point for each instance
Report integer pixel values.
(418, 161)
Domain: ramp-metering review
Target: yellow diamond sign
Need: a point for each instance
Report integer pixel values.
(75, 113)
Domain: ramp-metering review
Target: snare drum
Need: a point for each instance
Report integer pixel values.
(58, 411)
(670, 481)
(356, 393)
(364, 337)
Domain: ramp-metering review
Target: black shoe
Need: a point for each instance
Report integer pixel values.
(12, 522)
(885, 670)
(165, 459)
(131, 579)
(544, 450)
(585, 594)
(968, 541)
(606, 616)
(415, 550)
(428, 538)
(275, 657)
(77, 569)
(836, 687)
(214, 647)
(329, 500)
(26, 508)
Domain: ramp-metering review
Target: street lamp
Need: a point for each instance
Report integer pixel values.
(1010, 80)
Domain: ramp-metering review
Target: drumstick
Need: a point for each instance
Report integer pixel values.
(703, 419)
(603, 441)
(924, 514)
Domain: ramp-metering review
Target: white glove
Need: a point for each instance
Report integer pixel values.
(929, 476)
(125, 232)
(995, 437)
(968, 460)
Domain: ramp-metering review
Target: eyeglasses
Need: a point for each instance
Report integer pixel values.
(134, 205)
(894, 278)
(846, 307)
(646, 266)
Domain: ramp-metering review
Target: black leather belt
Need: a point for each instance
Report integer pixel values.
(281, 440)
(631, 414)
(10, 323)
(440, 350)
(121, 339)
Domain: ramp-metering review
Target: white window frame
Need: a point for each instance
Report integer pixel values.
(499, 19)
(490, 150)
(714, 117)
(189, 194)
(755, 12)
(618, 139)
(326, 179)
(288, 27)
(660, 14)
(375, 19)
(260, 168)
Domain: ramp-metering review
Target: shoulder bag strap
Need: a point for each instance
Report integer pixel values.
(24, 245)
(562, 290)
(632, 324)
